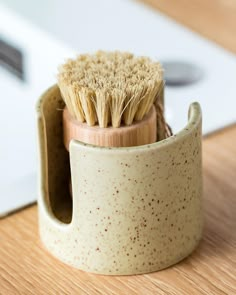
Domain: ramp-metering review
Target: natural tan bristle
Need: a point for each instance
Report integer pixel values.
(109, 88)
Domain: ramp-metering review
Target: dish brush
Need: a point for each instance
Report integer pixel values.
(112, 99)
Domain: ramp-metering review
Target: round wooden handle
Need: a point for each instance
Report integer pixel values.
(139, 133)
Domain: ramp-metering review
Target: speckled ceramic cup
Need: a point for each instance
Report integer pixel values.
(135, 210)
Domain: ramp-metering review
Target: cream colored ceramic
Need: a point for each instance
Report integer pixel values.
(135, 210)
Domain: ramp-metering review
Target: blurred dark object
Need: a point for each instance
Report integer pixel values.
(181, 73)
(11, 58)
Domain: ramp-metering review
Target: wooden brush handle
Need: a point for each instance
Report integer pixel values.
(139, 133)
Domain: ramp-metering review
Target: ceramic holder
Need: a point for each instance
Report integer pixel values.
(134, 210)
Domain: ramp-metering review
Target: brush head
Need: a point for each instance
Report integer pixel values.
(110, 88)
(139, 133)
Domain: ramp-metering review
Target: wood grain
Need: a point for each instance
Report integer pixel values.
(26, 267)
(138, 133)
(214, 19)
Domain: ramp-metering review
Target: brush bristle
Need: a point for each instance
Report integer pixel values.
(109, 88)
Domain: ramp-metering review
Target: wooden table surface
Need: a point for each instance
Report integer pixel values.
(26, 267)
